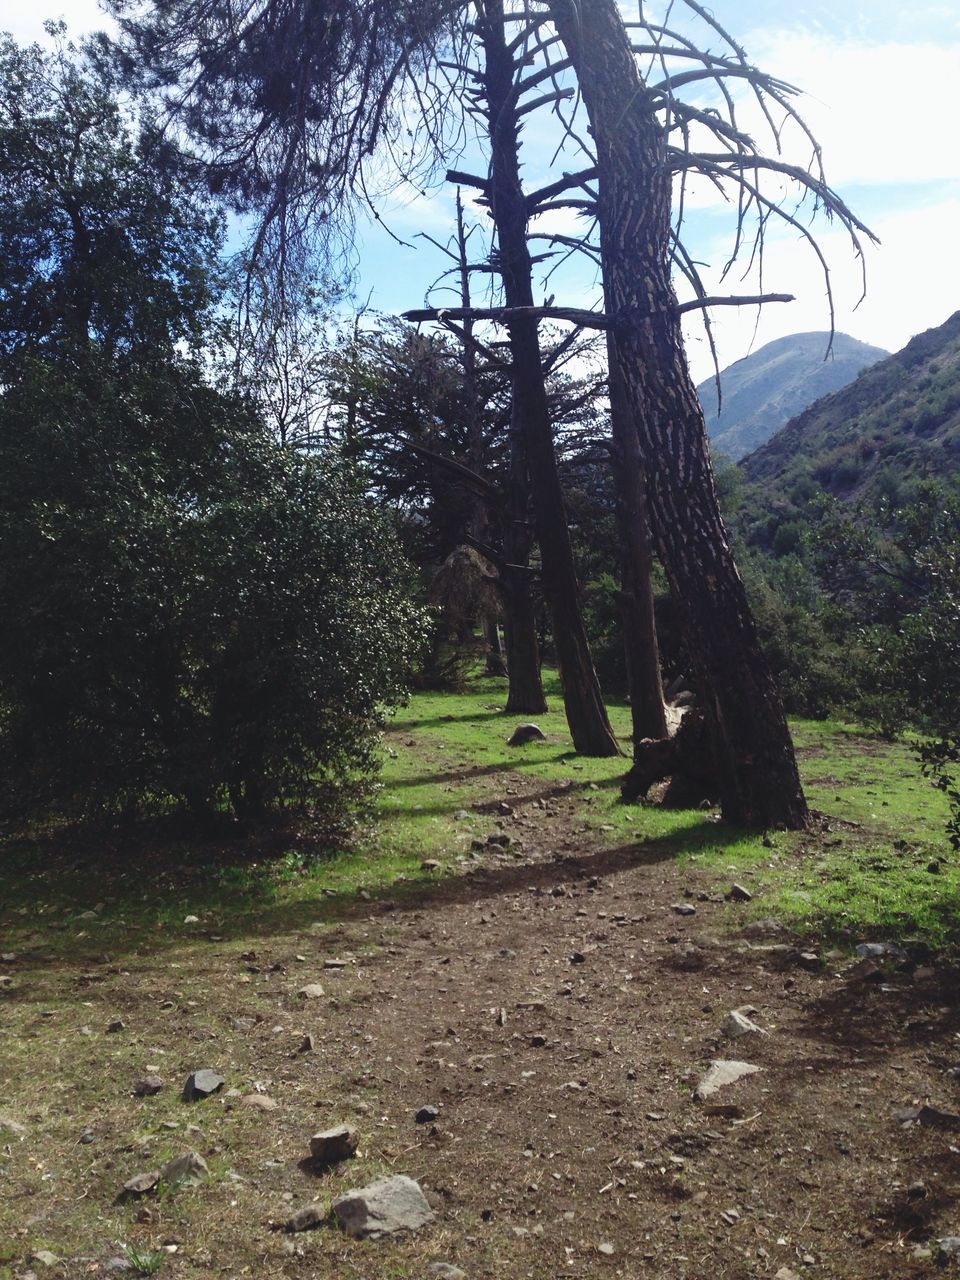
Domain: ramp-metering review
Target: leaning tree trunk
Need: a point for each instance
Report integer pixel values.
(583, 702)
(495, 664)
(636, 565)
(758, 777)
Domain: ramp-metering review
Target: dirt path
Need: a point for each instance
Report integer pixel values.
(558, 1011)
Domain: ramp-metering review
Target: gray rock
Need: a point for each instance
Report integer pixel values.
(312, 991)
(333, 1145)
(737, 1024)
(525, 733)
(874, 950)
(722, 1072)
(383, 1207)
(305, 1219)
(766, 928)
(445, 1271)
(202, 1084)
(427, 1115)
(148, 1086)
(45, 1258)
(684, 908)
(258, 1102)
(140, 1185)
(737, 893)
(186, 1170)
(117, 1266)
(949, 1246)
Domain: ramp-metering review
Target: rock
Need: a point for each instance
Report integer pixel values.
(388, 1205)
(537, 1041)
(429, 864)
(186, 1170)
(874, 950)
(810, 960)
(305, 1219)
(202, 1084)
(45, 1258)
(606, 1249)
(445, 1271)
(334, 962)
(191, 919)
(333, 1145)
(140, 1185)
(306, 1044)
(312, 991)
(117, 1266)
(786, 1274)
(737, 893)
(148, 1086)
(13, 1126)
(499, 838)
(865, 970)
(949, 1246)
(934, 1118)
(767, 928)
(721, 1072)
(737, 1024)
(427, 1115)
(684, 908)
(258, 1102)
(116, 1025)
(525, 733)
(462, 815)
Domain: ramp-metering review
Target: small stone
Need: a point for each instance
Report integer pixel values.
(116, 1025)
(809, 960)
(312, 991)
(45, 1258)
(334, 962)
(737, 893)
(949, 1246)
(537, 1041)
(723, 1072)
(140, 1185)
(606, 1249)
(684, 909)
(191, 919)
(737, 1024)
(334, 1145)
(306, 1044)
(117, 1266)
(258, 1102)
(525, 733)
(445, 1271)
(429, 864)
(876, 950)
(148, 1086)
(388, 1205)
(786, 1274)
(499, 838)
(201, 1084)
(427, 1115)
(305, 1219)
(462, 815)
(186, 1170)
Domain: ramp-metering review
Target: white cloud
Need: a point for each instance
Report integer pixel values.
(25, 21)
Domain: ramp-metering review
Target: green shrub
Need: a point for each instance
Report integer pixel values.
(193, 613)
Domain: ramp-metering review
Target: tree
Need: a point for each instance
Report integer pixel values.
(194, 613)
(636, 126)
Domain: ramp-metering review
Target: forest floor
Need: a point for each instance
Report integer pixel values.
(546, 996)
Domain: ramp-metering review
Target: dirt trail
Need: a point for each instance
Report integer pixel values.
(558, 1011)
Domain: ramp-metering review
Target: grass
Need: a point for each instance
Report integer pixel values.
(442, 753)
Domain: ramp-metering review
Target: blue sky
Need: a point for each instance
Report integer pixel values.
(880, 82)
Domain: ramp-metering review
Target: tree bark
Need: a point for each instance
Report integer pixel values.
(636, 565)
(525, 695)
(583, 702)
(758, 777)
(496, 665)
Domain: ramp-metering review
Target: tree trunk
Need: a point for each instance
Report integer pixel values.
(525, 695)
(636, 587)
(496, 666)
(758, 777)
(586, 714)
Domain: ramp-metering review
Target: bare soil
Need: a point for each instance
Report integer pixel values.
(558, 1011)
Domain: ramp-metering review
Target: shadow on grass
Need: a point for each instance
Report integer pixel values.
(145, 890)
(470, 717)
(507, 766)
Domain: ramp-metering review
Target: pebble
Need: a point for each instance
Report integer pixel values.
(201, 1084)
(427, 1114)
(305, 1219)
(258, 1102)
(723, 1072)
(737, 893)
(684, 909)
(148, 1086)
(312, 991)
(334, 1145)
(737, 1024)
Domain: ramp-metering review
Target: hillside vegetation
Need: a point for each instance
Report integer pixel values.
(899, 420)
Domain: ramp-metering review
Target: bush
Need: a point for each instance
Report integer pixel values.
(193, 613)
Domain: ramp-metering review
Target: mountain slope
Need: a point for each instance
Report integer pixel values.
(898, 420)
(772, 385)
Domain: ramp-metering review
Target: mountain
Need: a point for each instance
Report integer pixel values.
(897, 421)
(772, 385)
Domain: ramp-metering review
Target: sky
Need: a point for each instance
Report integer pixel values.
(879, 82)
